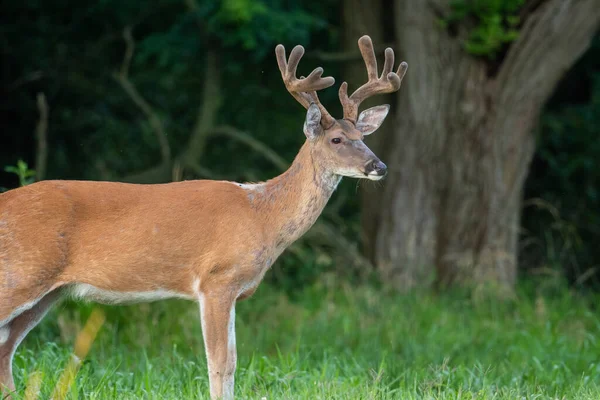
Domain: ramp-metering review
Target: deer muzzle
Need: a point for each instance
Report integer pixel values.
(375, 169)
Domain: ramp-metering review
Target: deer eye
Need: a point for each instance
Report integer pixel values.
(336, 140)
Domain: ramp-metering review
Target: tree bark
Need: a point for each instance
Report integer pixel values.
(463, 142)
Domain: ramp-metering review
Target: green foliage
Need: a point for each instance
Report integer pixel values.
(244, 29)
(338, 342)
(252, 24)
(563, 216)
(490, 23)
(97, 132)
(26, 175)
(571, 149)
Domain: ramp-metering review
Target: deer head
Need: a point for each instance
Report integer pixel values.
(338, 143)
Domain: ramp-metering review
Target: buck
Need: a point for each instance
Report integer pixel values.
(207, 241)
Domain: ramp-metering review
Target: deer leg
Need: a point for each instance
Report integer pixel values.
(217, 314)
(13, 332)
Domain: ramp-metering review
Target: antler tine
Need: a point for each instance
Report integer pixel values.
(388, 82)
(304, 90)
(388, 65)
(365, 44)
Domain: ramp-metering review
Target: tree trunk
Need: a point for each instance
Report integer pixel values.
(464, 141)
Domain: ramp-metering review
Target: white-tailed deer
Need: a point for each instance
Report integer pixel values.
(208, 241)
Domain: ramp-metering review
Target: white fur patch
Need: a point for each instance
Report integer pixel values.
(231, 329)
(251, 186)
(92, 293)
(229, 380)
(375, 177)
(4, 334)
(259, 187)
(196, 287)
(201, 303)
(252, 189)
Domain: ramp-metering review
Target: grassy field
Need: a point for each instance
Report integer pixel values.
(336, 342)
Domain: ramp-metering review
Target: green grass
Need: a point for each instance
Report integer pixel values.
(337, 342)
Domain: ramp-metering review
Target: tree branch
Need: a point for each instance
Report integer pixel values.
(207, 113)
(123, 79)
(528, 8)
(129, 49)
(30, 77)
(204, 172)
(254, 144)
(205, 122)
(160, 173)
(193, 7)
(41, 134)
(553, 37)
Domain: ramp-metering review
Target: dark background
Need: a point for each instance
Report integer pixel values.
(73, 52)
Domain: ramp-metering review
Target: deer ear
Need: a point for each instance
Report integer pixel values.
(371, 119)
(312, 125)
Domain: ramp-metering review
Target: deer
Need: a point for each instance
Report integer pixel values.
(203, 240)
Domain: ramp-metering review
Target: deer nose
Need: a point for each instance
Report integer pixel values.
(376, 167)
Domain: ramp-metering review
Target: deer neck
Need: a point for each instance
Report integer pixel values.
(292, 201)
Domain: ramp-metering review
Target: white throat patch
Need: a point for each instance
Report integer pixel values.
(4, 334)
